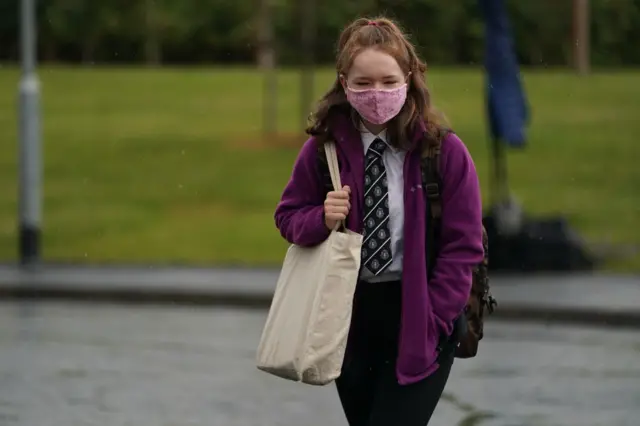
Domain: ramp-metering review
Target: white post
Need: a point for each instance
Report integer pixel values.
(30, 168)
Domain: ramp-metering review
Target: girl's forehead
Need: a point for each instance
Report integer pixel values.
(374, 63)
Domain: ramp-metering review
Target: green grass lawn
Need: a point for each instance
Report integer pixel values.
(168, 165)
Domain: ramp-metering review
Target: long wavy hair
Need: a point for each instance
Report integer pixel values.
(383, 34)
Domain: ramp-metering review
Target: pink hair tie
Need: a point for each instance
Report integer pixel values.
(374, 23)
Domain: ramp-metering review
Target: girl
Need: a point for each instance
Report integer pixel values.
(400, 349)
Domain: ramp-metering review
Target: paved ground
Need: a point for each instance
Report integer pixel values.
(85, 365)
(584, 298)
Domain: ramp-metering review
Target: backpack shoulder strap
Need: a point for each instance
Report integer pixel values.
(431, 180)
(432, 185)
(323, 169)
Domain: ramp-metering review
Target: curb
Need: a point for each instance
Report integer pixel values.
(568, 315)
(615, 318)
(135, 296)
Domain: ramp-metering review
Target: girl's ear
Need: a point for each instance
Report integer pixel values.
(343, 81)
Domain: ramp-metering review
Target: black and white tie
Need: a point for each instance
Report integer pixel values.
(376, 248)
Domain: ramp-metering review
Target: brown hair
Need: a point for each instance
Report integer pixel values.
(379, 33)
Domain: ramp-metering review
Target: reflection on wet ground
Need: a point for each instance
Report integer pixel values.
(65, 364)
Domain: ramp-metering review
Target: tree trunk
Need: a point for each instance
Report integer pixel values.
(307, 18)
(266, 51)
(152, 49)
(88, 50)
(581, 40)
(267, 63)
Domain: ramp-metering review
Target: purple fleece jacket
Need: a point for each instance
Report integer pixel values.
(428, 309)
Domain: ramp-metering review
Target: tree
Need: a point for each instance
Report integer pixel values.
(307, 18)
(267, 62)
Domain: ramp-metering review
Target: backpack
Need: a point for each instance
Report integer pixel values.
(480, 296)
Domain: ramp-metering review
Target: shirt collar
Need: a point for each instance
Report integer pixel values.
(368, 137)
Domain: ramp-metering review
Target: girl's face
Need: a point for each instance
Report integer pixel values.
(373, 69)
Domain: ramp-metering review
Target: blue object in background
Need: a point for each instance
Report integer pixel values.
(506, 102)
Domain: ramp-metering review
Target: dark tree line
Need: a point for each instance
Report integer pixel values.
(229, 31)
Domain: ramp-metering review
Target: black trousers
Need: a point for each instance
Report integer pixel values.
(368, 387)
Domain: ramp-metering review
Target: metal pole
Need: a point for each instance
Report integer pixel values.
(29, 183)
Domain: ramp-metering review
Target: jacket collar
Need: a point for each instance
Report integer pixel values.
(347, 133)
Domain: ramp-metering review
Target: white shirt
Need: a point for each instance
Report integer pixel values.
(393, 160)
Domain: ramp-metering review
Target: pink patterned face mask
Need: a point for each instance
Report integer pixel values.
(377, 106)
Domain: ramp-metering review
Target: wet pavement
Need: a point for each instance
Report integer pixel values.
(75, 364)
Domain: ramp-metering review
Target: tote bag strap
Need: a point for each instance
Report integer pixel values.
(332, 162)
(334, 172)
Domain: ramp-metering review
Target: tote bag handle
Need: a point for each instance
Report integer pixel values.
(334, 172)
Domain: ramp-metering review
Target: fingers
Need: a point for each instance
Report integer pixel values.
(338, 195)
(337, 205)
(337, 213)
(338, 201)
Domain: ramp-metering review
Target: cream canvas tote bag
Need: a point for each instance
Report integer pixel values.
(305, 335)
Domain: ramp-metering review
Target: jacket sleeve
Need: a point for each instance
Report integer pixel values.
(460, 236)
(300, 213)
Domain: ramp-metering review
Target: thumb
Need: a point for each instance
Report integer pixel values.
(346, 188)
